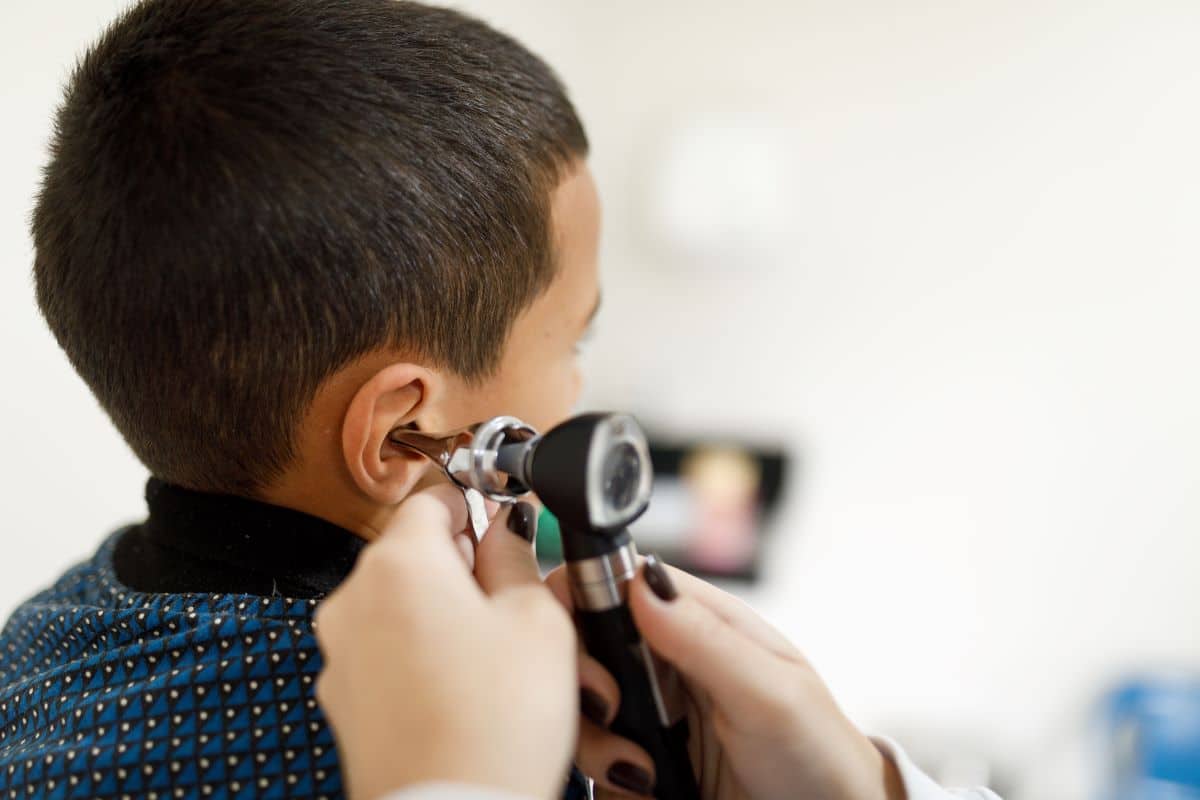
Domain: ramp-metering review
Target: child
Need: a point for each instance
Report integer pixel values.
(271, 232)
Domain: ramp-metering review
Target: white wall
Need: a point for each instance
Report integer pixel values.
(65, 476)
(982, 339)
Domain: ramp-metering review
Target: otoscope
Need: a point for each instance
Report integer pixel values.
(593, 472)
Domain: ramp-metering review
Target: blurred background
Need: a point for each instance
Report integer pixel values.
(941, 258)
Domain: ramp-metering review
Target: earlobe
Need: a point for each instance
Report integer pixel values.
(393, 397)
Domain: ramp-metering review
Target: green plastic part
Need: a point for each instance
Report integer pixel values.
(549, 538)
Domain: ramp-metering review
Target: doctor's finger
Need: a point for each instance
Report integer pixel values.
(743, 677)
(599, 695)
(734, 611)
(613, 762)
(505, 558)
(435, 514)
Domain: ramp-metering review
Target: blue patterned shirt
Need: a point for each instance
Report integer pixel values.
(108, 691)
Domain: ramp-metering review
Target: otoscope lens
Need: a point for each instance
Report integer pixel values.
(622, 475)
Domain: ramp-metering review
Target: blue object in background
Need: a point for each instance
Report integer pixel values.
(1151, 729)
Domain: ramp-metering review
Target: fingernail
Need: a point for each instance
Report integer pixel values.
(631, 777)
(522, 521)
(658, 579)
(593, 707)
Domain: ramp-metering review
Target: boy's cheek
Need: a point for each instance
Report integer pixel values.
(556, 404)
(542, 397)
(577, 386)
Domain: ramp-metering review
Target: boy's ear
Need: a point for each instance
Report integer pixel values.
(395, 396)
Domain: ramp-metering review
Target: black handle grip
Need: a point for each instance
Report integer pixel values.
(613, 640)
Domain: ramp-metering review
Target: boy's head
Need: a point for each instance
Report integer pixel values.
(270, 231)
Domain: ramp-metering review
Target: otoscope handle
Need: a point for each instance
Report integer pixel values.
(612, 639)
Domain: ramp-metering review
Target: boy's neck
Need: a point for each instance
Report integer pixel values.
(331, 502)
(331, 494)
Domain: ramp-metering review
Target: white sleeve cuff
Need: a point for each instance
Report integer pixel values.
(451, 791)
(918, 785)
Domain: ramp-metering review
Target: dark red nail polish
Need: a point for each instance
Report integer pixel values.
(522, 520)
(630, 777)
(659, 580)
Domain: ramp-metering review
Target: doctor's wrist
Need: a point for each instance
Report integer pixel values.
(892, 783)
(888, 782)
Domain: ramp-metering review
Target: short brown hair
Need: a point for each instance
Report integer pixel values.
(245, 195)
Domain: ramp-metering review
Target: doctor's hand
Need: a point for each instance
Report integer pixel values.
(763, 725)
(423, 676)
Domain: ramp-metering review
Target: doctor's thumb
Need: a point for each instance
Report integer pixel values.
(701, 644)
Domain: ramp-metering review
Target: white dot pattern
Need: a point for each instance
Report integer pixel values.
(107, 692)
(110, 693)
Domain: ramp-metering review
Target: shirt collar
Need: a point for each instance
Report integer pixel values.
(199, 542)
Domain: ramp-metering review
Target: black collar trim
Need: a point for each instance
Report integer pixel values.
(198, 542)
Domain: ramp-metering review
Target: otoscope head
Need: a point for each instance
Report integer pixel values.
(593, 471)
